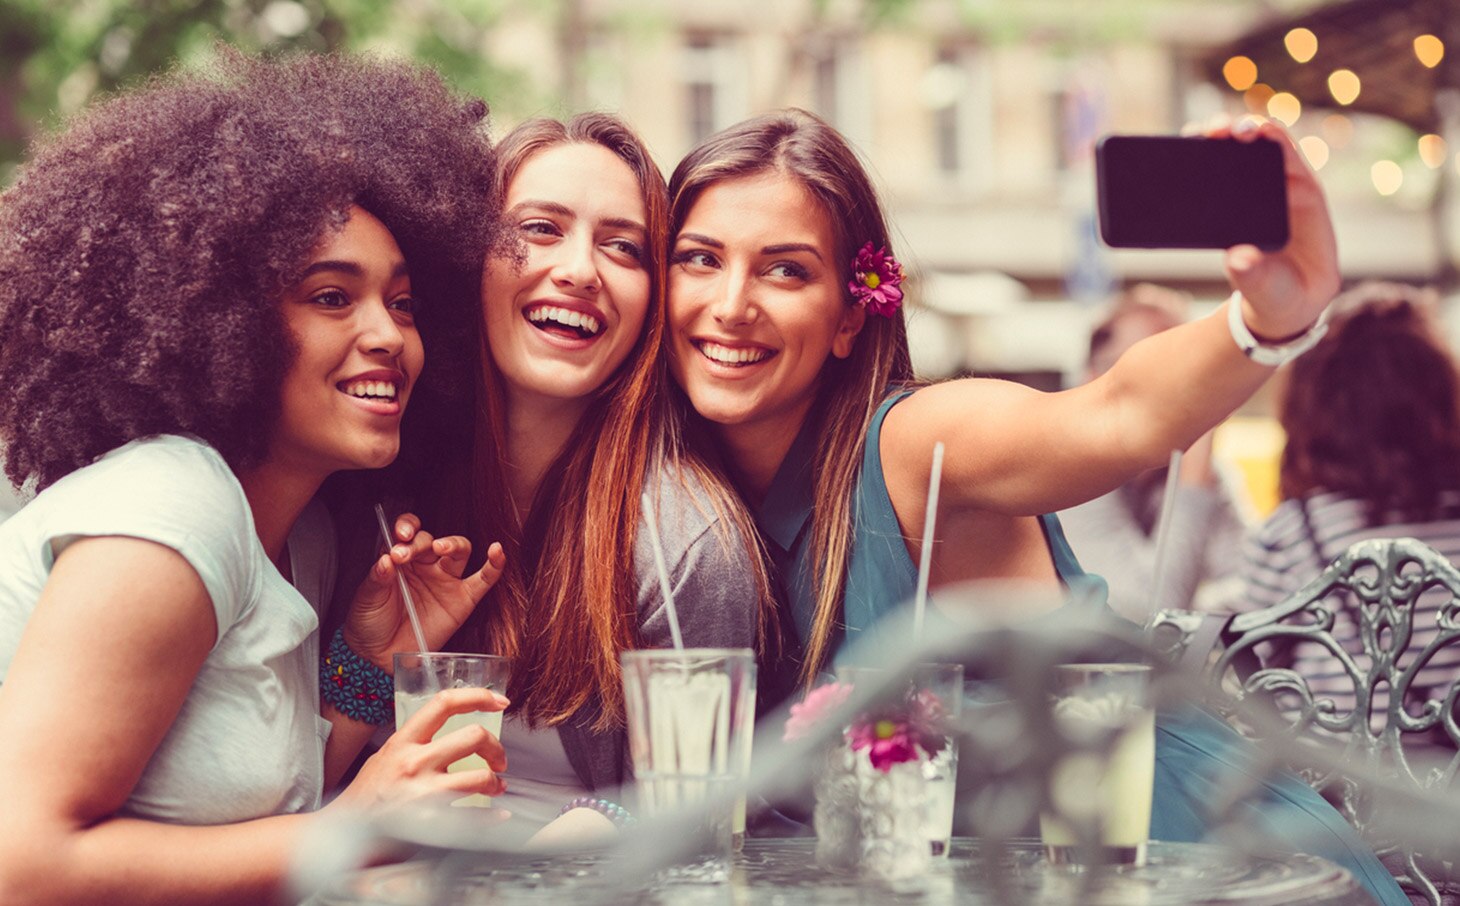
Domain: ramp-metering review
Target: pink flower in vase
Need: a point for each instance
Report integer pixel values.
(819, 702)
(889, 741)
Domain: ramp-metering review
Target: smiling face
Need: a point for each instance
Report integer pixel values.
(564, 317)
(358, 352)
(757, 303)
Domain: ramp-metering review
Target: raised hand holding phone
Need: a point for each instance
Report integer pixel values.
(1285, 291)
(1242, 186)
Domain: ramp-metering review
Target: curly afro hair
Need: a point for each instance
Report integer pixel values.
(144, 249)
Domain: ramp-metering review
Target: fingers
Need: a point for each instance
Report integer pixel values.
(406, 526)
(420, 549)
(478, 584)
(474, 739)
(425, 722)
(453, 552)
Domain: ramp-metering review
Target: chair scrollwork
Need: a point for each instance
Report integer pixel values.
(1403, 599)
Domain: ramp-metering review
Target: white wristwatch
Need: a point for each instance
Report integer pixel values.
(1271, 354)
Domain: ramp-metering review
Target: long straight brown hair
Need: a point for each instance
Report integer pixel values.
(804, 147)
(567, 604)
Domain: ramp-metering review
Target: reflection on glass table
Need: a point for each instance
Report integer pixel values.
(784, 872)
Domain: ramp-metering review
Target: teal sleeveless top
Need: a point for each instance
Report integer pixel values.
(1199, 758)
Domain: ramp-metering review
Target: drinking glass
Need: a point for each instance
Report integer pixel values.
(420, 675)
(689, 713)
(1100, 791)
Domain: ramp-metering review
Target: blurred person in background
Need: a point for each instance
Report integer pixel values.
(1116, 533)
(1372, 416)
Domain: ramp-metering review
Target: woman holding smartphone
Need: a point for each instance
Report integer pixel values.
(787, 338)
(214, 292)
(571, 427)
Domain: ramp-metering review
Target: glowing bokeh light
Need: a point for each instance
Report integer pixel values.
(1430, 50)
(1302, 44)
(1285, 108)
(1432, 151)
(1240, 73)
(1387, 176)
(1257, 97)
(1343, 84)
(1315, 149)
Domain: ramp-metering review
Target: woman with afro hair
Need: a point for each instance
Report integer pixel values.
(215, 292)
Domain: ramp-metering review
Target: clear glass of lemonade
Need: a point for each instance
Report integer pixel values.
(419, 676)
(1104, 782)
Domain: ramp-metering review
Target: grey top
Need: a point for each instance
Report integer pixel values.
(714, 595)
(1204, 546)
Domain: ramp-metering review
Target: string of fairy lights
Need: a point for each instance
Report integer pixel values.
(1336, 129)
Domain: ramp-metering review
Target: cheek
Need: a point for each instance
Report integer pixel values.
(413, 358)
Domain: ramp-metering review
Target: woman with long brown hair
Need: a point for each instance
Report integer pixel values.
(572, 425)
(787, 337)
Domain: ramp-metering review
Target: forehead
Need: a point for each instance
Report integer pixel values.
(363, 235)
(580, 174)
(770, 208)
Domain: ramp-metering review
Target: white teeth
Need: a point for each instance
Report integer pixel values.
(371, 389)
(565, 317)
(728, 355)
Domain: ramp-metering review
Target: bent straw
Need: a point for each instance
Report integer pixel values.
(925, 561)
(405, 592)
(663, 570)
(1163, 533)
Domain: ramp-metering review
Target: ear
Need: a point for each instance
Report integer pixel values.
(853, 319)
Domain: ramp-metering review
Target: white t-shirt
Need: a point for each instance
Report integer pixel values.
(248, 741)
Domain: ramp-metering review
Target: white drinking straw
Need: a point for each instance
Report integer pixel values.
(1163, 532)
(925, 562)
(663, 569)
(405, 592)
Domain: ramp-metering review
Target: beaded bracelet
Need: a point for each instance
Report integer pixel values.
(357, 688)
(620, 816)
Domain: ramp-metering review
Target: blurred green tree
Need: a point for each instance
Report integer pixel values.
(55, 55)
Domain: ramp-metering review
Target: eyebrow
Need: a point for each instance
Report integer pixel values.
(700, 239)
(785, 247)
(552, 207)
(779, 249)
(350, 268)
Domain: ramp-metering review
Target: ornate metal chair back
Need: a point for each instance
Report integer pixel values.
(1389, 700)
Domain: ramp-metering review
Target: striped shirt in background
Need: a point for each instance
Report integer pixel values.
(1281, 557)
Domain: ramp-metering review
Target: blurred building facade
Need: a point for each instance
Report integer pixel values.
(977, 120)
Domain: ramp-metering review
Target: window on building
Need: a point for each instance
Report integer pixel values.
(714, 79)
(839, 87)
(956, 90)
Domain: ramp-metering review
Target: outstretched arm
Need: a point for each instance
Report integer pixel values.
(1016, 451)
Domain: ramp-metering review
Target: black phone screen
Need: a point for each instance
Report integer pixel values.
(1191, 193)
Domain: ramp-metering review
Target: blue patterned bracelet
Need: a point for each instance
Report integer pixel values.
(620, 816)
(357, 688)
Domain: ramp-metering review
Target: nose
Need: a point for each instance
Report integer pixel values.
(733, 304)
(379, 330)
(575, 267)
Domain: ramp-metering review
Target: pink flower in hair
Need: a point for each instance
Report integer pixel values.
(877, 281)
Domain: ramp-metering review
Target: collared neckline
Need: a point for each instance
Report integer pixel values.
(786, 509)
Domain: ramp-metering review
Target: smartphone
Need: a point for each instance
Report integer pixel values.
(1173, 192)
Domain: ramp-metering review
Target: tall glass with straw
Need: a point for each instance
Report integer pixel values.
(690, 715)
(420, 674)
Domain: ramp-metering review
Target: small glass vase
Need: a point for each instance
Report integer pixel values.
(871, 821)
